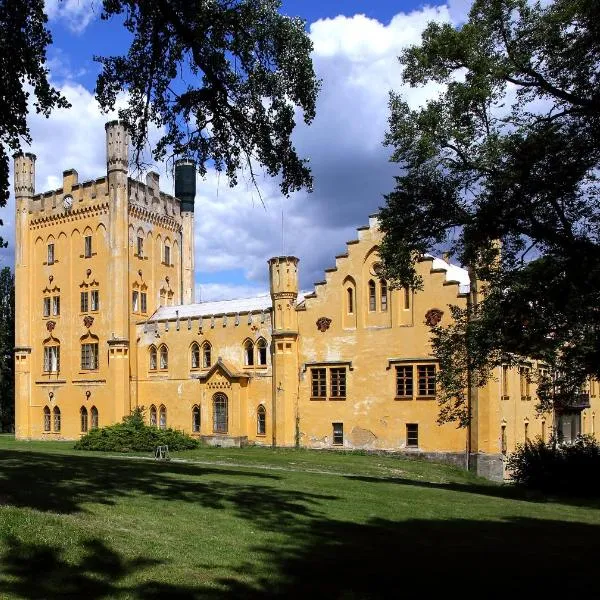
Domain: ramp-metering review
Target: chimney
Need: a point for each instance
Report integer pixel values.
(185, 190)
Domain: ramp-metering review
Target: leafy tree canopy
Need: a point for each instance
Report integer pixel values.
(502, 168)
(223, 77)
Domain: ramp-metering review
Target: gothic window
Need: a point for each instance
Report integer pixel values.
(220, 416)
(153, 420)
(384, 295)
(56, 415)
(50, 254)
(196, 419)
(144, 302)
(153, 358)
(94, 415)
(47, 307)
(164, 357)
(372, 296)
(88, 246)
(83, 414)
(83, 302)
(350, 294)
(140, 246)
(261, 420)
(135, 301)
(248, 353)
(206, 355)
(46, 418)
(56, 306)
(167, 254)
(52, 357)
(162, 417)
(195, 356)
(95, 300)
(262, 352)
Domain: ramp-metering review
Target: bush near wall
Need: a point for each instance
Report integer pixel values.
(571, 469)
(133, 435)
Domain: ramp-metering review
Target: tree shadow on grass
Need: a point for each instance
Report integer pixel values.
(340, 560)
(64, 484)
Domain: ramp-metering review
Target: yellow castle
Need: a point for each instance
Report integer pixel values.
(106, 321)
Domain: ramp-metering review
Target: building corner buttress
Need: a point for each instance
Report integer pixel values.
(24, 187)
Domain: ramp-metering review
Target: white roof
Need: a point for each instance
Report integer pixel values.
(453, 273)
(207, 309)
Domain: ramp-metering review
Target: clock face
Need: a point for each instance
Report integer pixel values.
(68, 202)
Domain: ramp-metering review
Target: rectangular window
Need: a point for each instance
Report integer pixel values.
(319, 383)
(404, 382)
(135, 301)
(56, 305)
(524, 381)
(505, 394)
(406, 297)
(89, 357)
(384, 296)
(46, 307)
(426, 376)
(84, 302)
(167, 255)
(50, 254)
(88, 246)
(51, 359)
(412, 435)
(144, 302)
(140, 247)
(338, 434)
(95, 297)
(338, 383)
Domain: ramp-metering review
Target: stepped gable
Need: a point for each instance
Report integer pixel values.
(455, 275)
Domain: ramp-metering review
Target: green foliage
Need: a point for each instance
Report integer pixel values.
(222, 77)
(23, 42)
(133, 435)
(502, 169)
(7, 343)
(558, 468)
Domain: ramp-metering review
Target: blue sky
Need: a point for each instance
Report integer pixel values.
(356, 43)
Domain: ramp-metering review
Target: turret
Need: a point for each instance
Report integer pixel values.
(185, 190)
(117, 147)
(283, 275)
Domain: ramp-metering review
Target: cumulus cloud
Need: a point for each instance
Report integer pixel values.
(75, 14)
(356, 57)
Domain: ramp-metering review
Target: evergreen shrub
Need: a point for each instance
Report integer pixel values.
(555, 467)
(133, 435)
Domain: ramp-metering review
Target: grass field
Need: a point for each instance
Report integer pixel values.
(262, 523)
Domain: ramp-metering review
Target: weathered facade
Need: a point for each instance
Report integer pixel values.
(106, 322)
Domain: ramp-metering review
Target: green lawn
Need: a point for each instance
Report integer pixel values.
(262, 523)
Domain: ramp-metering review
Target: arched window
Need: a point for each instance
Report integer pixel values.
(372, 296)
(196, 419)
(162, 417)
(83, 413)
(206, 355)
(56, 414)
(262, 352)
(46, 418)
(164, 357)
(384, 295)
(261, 420)
(220, 417)
(350, 294)
(195, 356)
(153, 415)
(89, 352)
(94, 414)
(52, 357)
(153, 358)
(248, 353)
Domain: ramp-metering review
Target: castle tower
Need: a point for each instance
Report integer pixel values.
(24, 182)
(283, 275)
(117, 160)
(185, 190)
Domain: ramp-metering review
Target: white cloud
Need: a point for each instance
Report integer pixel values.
(75, 14)
(223, 291)
(357, 59)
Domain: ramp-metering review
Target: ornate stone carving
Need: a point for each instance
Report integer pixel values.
(323, 324)
(433, 317)
(50, 325)
(88, 321)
